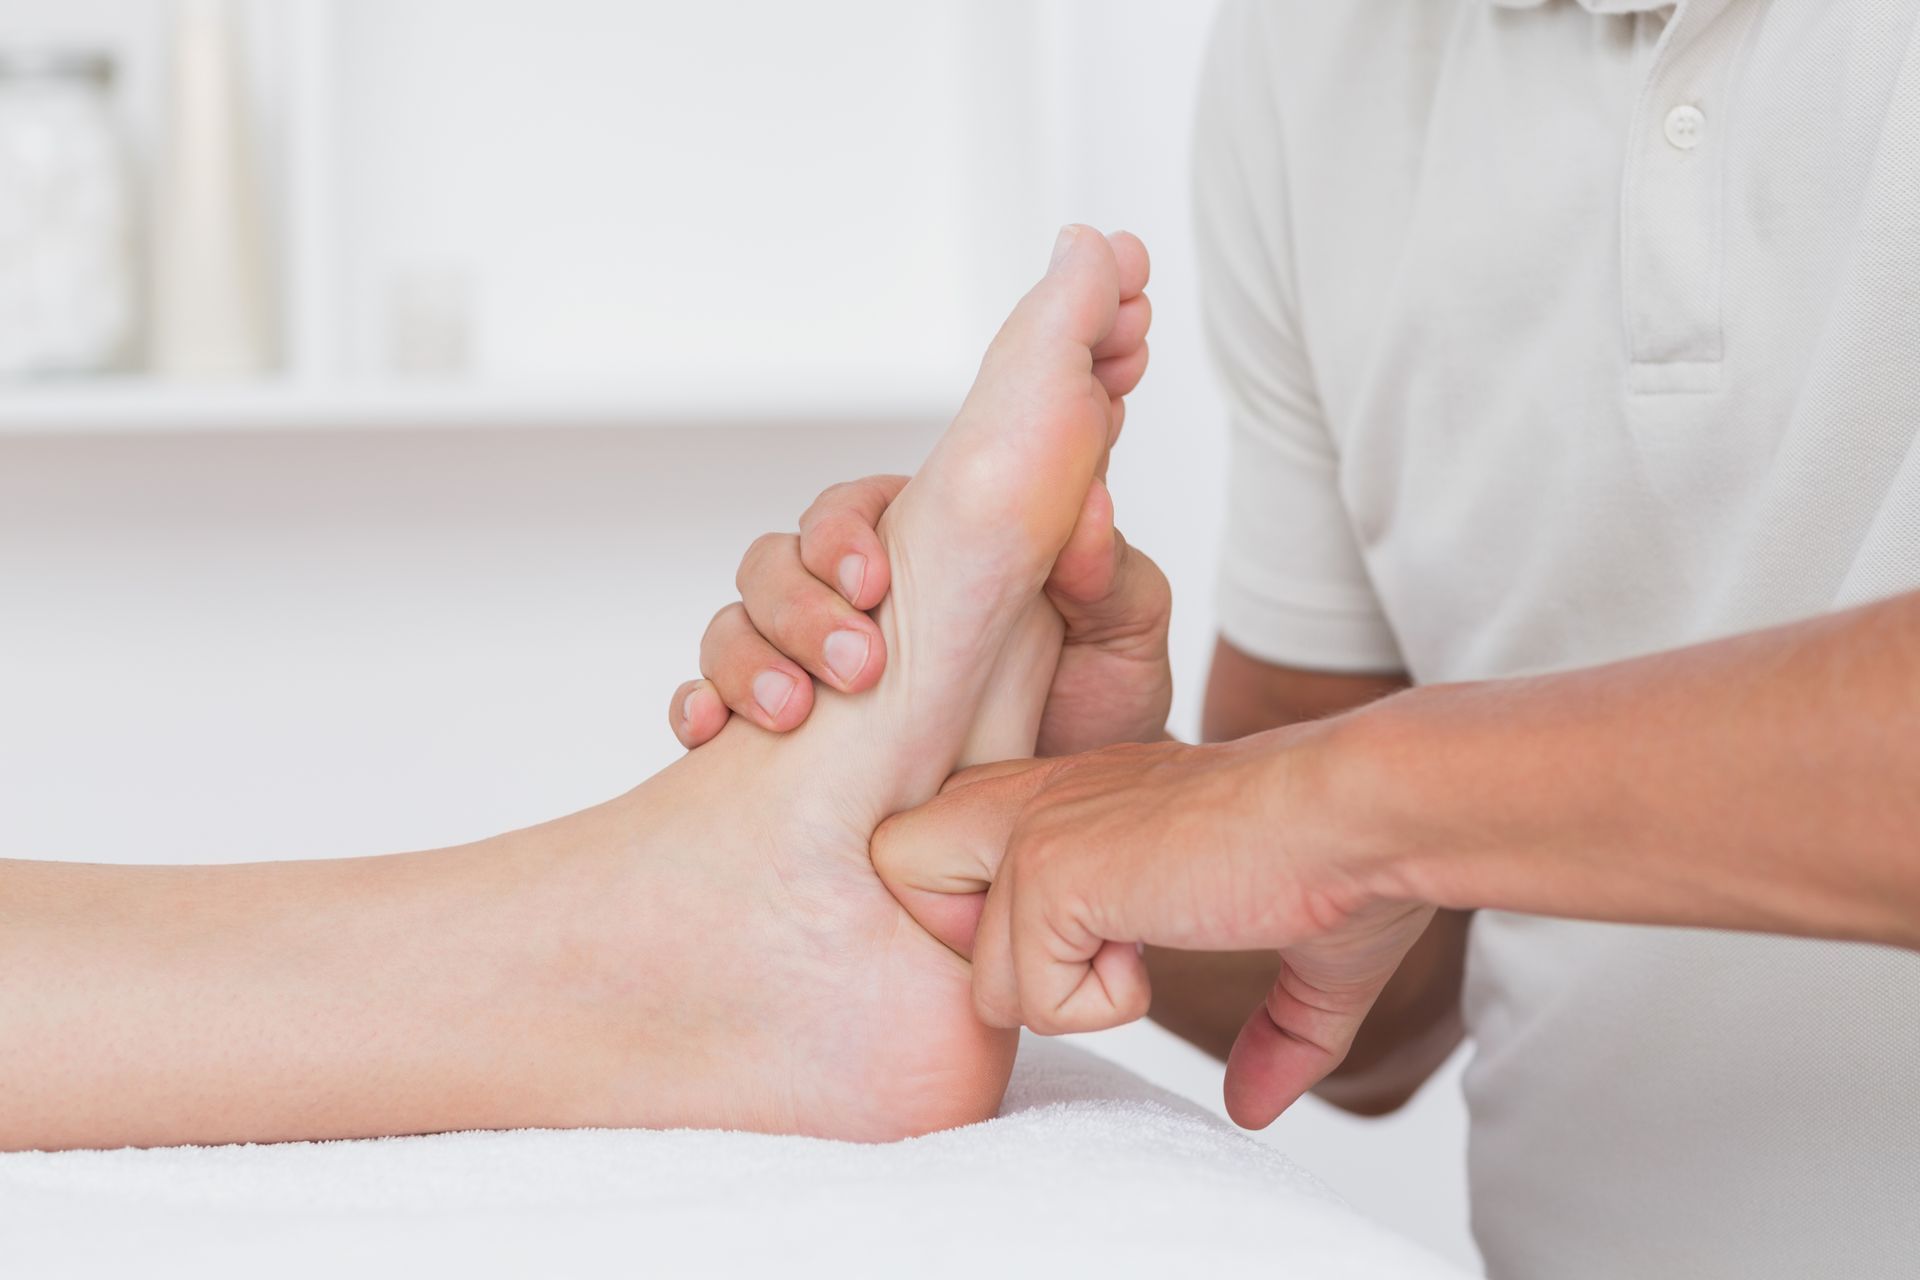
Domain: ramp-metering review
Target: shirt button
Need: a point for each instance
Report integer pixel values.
(1684, 125)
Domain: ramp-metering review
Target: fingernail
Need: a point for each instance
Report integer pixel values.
(853, 575)
(686, 707)
(1063, 244)
(771, 689)
(846, 653)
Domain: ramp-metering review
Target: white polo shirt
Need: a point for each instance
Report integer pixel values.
(1555, 333)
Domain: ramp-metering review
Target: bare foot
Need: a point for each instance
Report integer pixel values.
(800, 996)
(711, 949)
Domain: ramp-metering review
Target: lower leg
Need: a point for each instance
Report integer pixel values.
(440, 990)
(697, 952)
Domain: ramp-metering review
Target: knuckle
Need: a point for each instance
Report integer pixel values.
(730, 642)
(815, 515)
(834, 502)
(836, 495)
(845, 495)
(1159, 592)
(880, 487)
(1150, 580)
(798, 617)
(722, 631)
(836, 530)
(761, 552)
(825, 544)
(1035, 853)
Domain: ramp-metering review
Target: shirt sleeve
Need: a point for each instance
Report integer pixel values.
(1293, 588)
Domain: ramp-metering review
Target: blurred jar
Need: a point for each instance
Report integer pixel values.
(67, 277)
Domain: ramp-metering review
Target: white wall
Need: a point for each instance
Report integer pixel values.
(636, 190)
(304, 645)
(309, 644)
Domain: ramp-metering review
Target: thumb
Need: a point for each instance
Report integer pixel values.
(1289, 1044)
(939, 859)
(1307, 1023)
(1084, 572)
(1105, 590)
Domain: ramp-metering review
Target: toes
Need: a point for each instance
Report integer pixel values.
(1121, 374)
(1130, 259)
(1091, 294)
(1079, 296)
(1129, 330)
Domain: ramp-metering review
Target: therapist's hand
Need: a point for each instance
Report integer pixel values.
(1050, 874)
(802, 616)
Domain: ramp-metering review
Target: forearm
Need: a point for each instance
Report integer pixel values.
(158, 1005)
(1768, 782)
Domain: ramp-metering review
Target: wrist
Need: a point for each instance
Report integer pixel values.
(1475, 795)
(1369, 789)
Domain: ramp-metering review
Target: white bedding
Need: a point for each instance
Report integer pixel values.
(1087, 1171)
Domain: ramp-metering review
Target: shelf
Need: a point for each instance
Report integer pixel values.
(709, 236)
(135, 407)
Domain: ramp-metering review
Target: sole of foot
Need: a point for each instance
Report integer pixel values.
(840, 1016)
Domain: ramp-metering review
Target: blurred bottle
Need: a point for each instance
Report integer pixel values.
(67, 279)
(212, 307)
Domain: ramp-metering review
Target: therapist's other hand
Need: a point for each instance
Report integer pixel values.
(1051, 874)
(802, 615)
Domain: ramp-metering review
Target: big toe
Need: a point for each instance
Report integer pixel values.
(1017, 461)
(1094, 297)
(1077, 300)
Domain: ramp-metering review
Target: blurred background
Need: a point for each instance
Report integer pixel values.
(389, 387)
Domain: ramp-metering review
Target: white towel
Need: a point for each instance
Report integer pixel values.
(1087, 1171)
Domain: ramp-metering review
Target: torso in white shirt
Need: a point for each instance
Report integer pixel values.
(1557, 333)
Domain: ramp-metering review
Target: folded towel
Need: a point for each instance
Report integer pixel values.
(1088, 1170)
